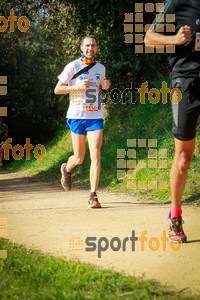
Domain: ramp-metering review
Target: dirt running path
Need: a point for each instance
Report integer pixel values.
(45, 217)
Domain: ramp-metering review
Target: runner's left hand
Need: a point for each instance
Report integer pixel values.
(105, 84)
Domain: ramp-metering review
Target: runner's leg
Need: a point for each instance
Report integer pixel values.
(95, 142)
(78, 141)
(183, 155)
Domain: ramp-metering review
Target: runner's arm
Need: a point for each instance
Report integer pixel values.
(153, 39)
(105, 84)
(62, 89)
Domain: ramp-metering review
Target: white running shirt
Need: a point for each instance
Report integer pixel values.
(80, 106)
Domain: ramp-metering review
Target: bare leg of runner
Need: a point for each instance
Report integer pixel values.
(95, 142)
(78, 141)
(183, 155)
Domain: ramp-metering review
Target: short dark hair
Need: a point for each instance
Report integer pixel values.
(88, 36)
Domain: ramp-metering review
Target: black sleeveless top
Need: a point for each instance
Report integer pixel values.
(187, 12)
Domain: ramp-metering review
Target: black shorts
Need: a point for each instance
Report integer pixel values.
(186, 112)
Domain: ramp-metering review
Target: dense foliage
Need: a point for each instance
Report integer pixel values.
(32, 60)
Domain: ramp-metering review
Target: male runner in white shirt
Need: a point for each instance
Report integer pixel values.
(85, 113)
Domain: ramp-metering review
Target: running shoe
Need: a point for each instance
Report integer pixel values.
(176, 232)
(65, 179)
(93, 202)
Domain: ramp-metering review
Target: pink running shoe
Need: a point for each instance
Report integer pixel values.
(176, 232)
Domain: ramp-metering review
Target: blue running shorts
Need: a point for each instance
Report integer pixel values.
(80, 126)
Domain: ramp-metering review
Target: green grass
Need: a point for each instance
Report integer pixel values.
(148, 121)
(28, 274)
(57, 150)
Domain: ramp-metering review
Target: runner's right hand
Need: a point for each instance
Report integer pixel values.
(183, 35)
(84, 85)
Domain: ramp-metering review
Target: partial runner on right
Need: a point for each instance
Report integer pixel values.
(185, 76)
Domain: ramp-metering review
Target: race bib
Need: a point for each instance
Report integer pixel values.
(90, 108)
(197, 42)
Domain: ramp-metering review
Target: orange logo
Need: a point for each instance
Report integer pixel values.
(23, 23)
(76, 244)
